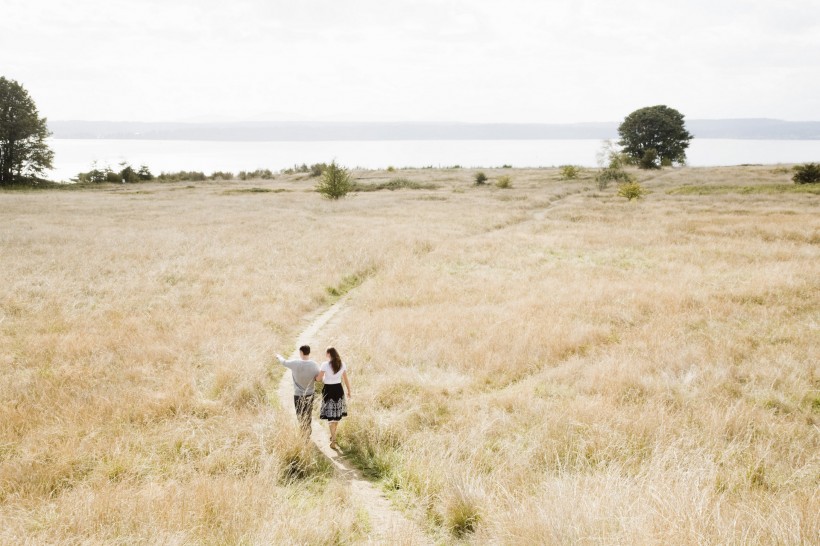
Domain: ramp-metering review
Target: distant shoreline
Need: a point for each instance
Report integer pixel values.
(78, 155)
(735, 129)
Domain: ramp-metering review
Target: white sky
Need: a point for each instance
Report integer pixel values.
(413, 60)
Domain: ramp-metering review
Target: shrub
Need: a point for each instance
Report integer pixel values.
(391, 169)
(631, 190)
(807, 174)
(128, 174)
(569, 172)
(504, 182)
(264, 174)
(505, 166)
(649, 159)
(222, 175)
(94, 176)
(114, 178)
(144, 173)
(335, 182)
(314, 170)
(179, 176)
(612, 174)
(317, 169)
(480, 178)
(296, 169)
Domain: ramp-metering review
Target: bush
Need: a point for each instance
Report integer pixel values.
(144, 174)
(264, 174)
(610, 155)
(182, 176)
(317, 169)
(631, 190)
(480, 178)
(504, 182)
(222, 175)
(94, 176)
(295, 169)
(649, 160)
(128, 174)
(335, 182)
(314, 170)
(569, 172)
(391, 169)
(612, 174)
(807, 174)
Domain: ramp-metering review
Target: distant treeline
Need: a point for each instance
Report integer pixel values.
(129, 175)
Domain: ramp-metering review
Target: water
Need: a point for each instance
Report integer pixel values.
(73, 156)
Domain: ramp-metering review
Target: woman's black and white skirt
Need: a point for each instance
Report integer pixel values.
(334, 406)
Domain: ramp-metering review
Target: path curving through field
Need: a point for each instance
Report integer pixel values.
(387, 525)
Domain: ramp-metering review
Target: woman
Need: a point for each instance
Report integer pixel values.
(334, 405)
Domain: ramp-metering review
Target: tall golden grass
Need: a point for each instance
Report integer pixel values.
(541, 364)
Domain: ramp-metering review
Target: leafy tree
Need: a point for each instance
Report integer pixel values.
(335, 182)
(24, 154)
(654, 136)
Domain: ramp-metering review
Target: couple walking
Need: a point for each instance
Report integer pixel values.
(331, 374)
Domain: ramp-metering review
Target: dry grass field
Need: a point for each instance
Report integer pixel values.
(546, 364)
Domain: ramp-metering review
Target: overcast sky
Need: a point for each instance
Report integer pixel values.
(413, 60)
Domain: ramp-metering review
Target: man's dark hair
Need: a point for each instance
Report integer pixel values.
(305, 349)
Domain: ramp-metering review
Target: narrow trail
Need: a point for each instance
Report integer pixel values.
(387, 525)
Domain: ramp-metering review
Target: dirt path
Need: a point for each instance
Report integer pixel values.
(387, 525)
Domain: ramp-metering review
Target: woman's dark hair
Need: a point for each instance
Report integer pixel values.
(335, 359)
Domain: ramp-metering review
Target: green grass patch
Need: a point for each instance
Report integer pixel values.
(348, 283)
(756, 189)
(394, 184)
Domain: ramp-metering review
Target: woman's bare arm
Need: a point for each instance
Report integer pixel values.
(347, 384)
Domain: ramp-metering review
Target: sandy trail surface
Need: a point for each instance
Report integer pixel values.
(387, 525)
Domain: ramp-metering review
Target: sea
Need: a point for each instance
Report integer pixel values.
(75, 155)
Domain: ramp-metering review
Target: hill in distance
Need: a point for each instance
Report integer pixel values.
(756, 129)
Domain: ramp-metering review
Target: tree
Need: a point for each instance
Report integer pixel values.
(654, 136)
(335, 182)
(24, 154)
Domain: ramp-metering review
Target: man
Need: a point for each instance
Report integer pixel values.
(304, 373)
